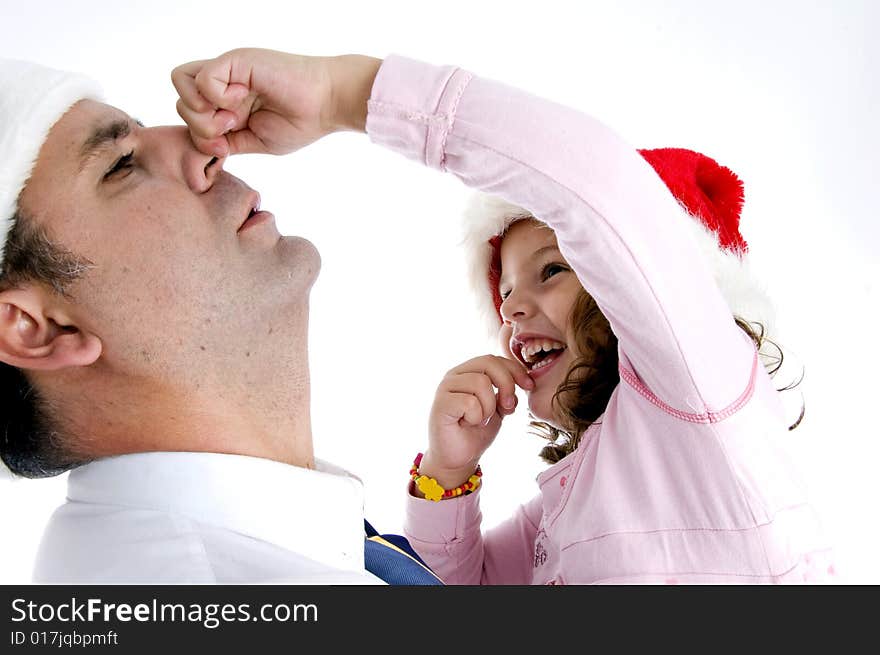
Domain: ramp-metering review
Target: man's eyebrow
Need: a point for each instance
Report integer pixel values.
(103, 136)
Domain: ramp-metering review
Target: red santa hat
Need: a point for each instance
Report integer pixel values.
(710, 193)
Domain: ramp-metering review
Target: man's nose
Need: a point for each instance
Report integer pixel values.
(197, 169)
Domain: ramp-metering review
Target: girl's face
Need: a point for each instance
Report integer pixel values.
(538, 291)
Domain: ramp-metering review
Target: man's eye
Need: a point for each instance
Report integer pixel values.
(124, 163)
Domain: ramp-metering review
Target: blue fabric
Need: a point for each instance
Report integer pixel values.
(394, 567)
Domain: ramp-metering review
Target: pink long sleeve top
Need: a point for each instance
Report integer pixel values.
(683, 479)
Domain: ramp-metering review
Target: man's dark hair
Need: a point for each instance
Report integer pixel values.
(31, 441)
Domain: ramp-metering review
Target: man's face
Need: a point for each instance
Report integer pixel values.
(176, 288)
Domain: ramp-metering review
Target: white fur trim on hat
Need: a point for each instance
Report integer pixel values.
(487, 216)
(32, 99)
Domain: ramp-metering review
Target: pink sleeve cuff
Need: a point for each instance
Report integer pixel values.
(445, 521)
(412, 108)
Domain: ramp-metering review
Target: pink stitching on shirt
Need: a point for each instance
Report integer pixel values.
(452, 111)
(677, 530)
(397, 111)
(706, 417)
(773, 576)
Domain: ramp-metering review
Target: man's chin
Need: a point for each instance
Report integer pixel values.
(301, 259)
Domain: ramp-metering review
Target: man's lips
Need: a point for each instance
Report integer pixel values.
(256, 219)
(252, 213)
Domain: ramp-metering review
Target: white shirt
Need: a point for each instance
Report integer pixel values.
(175, 517)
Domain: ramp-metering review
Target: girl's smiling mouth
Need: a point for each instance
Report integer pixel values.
(536, 352)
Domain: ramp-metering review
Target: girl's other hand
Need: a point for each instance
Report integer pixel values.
(469, 406)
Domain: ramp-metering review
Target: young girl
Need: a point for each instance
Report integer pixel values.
(665, 424)
(669, 466)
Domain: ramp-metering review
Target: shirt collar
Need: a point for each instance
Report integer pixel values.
(316, 513)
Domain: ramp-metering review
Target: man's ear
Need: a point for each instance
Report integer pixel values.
(37, 333)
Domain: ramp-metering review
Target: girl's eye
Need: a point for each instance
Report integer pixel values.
(504, 295)
(124, 163)
(552, 269)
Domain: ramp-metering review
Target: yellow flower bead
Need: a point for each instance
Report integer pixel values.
(430, 487)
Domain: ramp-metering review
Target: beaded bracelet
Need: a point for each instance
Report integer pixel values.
(432, 489)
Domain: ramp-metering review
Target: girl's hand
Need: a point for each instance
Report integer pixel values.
(270, 102)
(467, 415)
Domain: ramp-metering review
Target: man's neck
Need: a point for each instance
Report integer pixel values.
(270, 420)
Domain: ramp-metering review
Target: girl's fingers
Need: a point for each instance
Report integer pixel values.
(243, 141)
(503, 408)
(183, 79)
(217, 80)
(518, 372)
(218, 147)
(478, 385)
(206, 125)
(462, 407)
(503, 374)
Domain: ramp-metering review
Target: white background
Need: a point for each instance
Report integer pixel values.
(785, 93)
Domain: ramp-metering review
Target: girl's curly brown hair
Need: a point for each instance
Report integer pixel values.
(583, 395)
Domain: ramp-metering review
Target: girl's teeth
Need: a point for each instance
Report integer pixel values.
(532, 349)
(542, 363)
